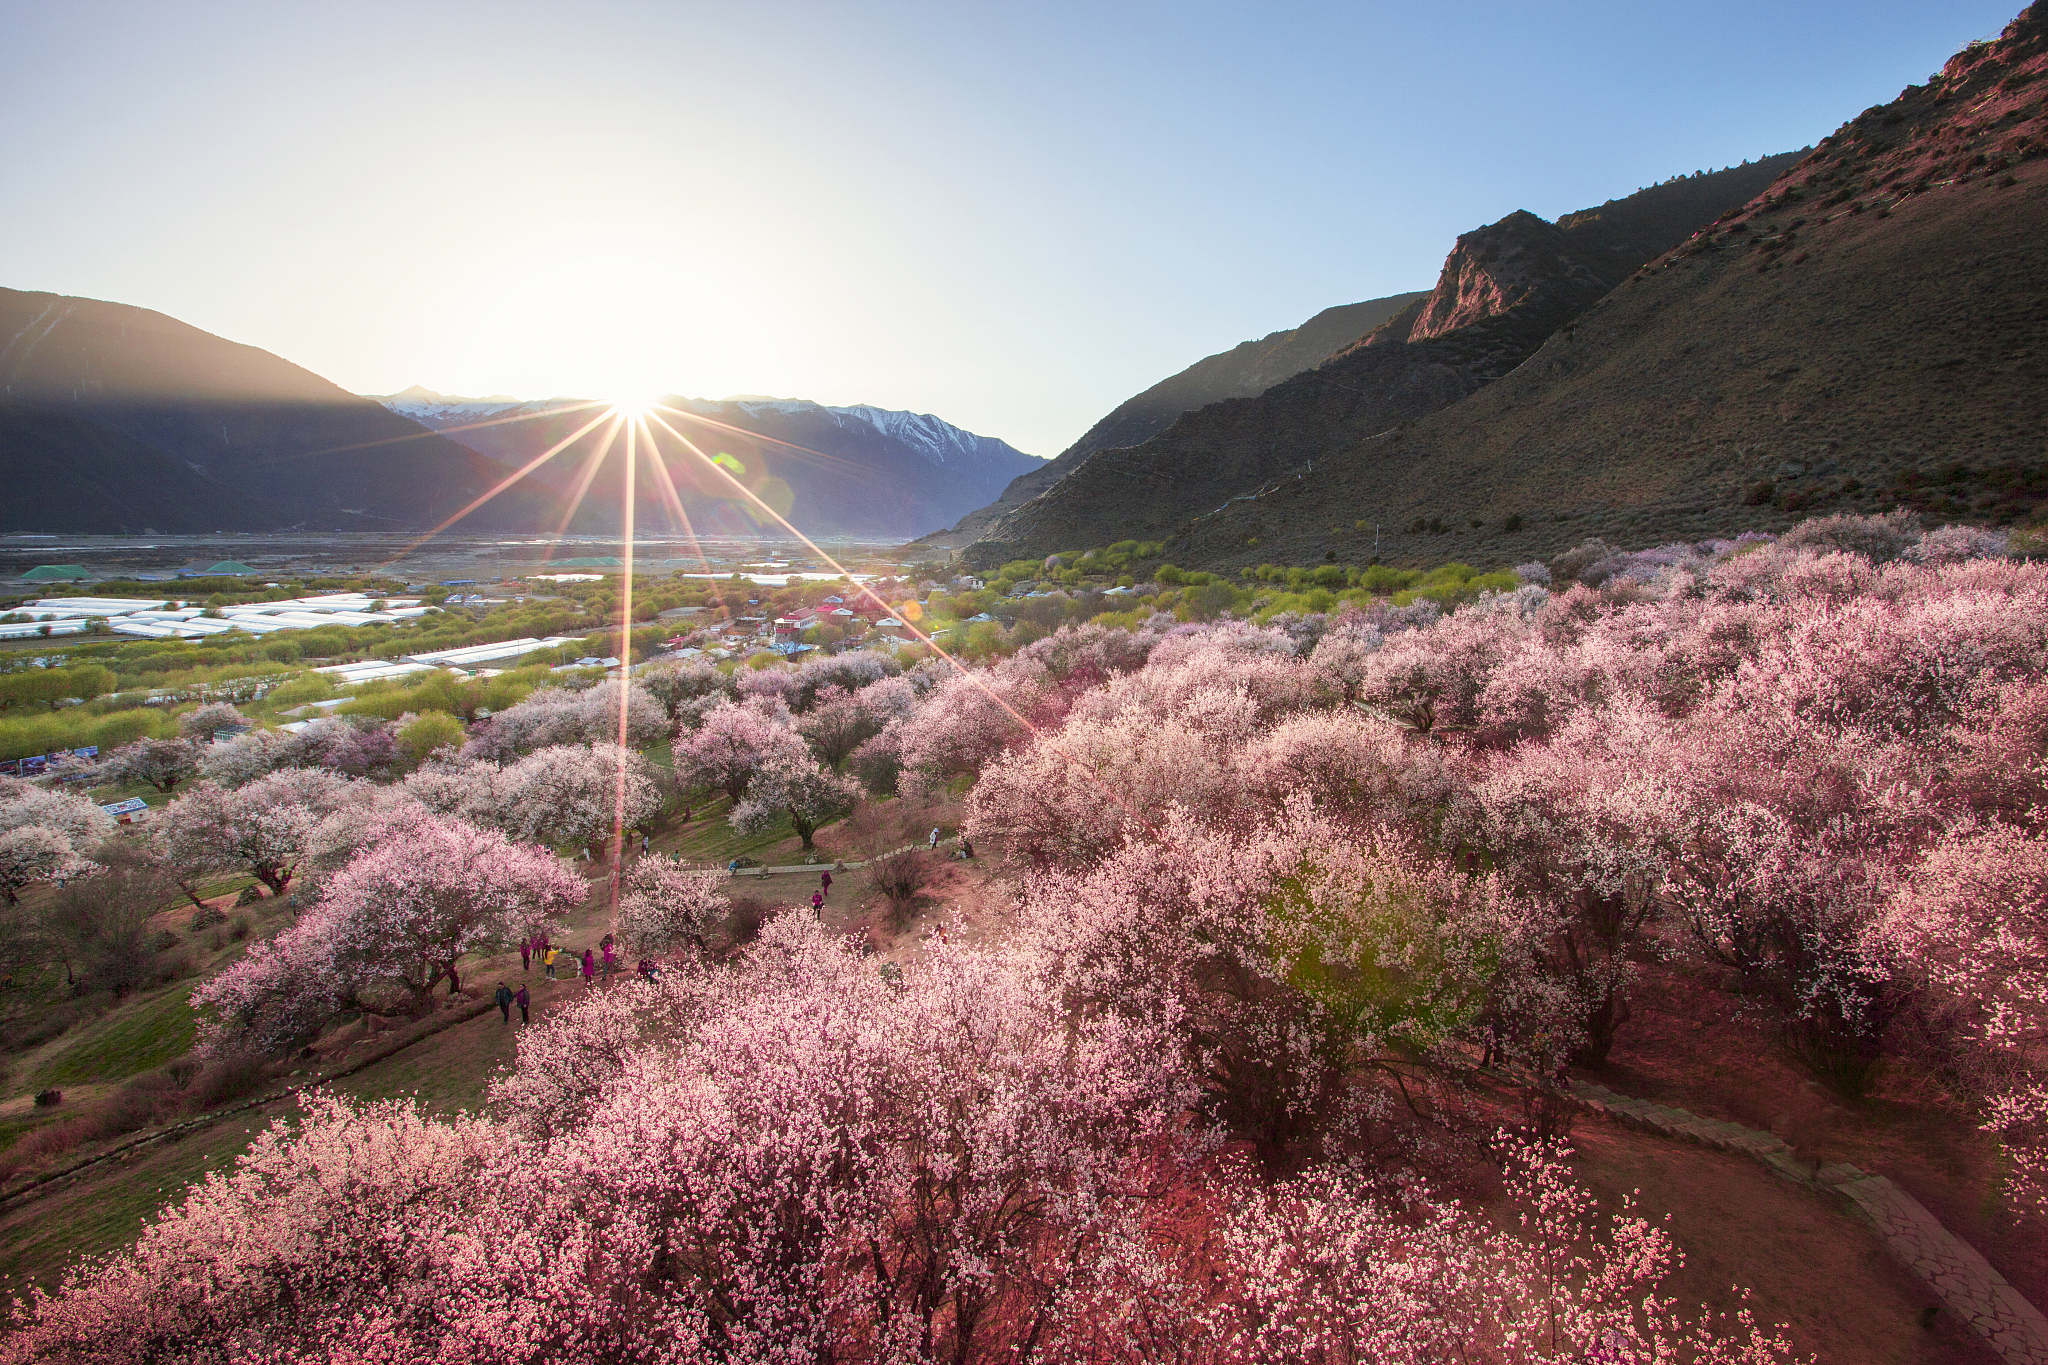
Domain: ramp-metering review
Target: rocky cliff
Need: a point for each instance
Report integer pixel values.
(1865, 333)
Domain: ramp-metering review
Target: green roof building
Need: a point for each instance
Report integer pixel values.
(226, 568)
(56, 573)
(592, 562)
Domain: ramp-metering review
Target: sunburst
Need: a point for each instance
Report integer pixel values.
(636, 418)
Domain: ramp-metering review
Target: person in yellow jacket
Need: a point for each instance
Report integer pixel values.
(547, 960)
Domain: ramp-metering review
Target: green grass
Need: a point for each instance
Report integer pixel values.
(448, 1071)
(108, 794)
(709, 839)
(129, 1041)
(42, 1237)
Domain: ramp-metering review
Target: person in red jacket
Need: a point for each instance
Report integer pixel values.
(524, 1000)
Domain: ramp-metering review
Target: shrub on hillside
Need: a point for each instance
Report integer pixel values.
(900, 876)
(2028, 542)
(1878, 539)
(42, 1145)
(1568, 566)
(223, 1077)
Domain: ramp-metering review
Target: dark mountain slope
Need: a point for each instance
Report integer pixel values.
(286, 438)
(1503, 289)
(1243, 371)
(1868, 332)
(64, 474)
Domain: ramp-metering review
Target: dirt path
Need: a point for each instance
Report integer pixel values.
(1972, 1291)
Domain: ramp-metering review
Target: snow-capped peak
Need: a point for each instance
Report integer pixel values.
(931, 438)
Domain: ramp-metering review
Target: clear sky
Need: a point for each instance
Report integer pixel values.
(1013, 215)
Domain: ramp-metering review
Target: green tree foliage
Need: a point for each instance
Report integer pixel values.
(32, 687)
(428, 732)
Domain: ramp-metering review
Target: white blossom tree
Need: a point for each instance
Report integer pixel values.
(668, 905)
(160, 763)
(43, 835)
(262, 828)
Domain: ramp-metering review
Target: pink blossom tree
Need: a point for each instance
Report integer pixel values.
(44, 835)
(726, 748)
(561, 716)
(1330, 1267)
(574, 794)
(788, 781)
(390, 926)
(837, 724)
(794, 1159)
(36, 853)
(1972, 927)
(247, 757)
(565, 794)
(684, 688)
(968, 720)
(202, 722)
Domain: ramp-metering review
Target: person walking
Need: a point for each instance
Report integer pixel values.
(935, 836)
(643, 843)
(589, 966)
(524, 999)
(526, 953)
(547, 961)
(825, 882)
(504, 999)
(611, 957)
(818, 902)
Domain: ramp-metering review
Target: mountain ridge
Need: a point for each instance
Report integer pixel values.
(1245, 370)
(1503, 289)
(858, 469)
(1862, 334)
(292, 448)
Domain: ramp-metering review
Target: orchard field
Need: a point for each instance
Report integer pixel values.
(1243, 1011)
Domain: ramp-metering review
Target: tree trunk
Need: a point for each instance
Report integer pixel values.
(804, 828)
(454, 981)
(1602, 1026)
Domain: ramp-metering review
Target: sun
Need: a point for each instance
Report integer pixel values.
(636, 405)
